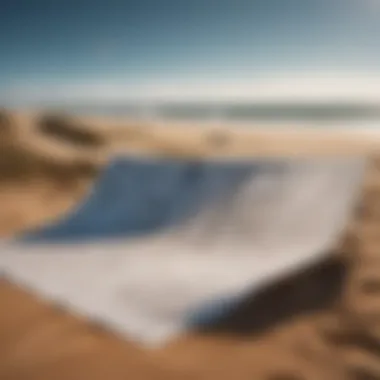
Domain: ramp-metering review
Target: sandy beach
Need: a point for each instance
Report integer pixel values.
(59, 159)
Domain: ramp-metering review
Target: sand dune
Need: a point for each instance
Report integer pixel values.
(68, 137)
(30, 176)
(43, 176)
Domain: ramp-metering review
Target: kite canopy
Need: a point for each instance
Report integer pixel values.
(162, 246)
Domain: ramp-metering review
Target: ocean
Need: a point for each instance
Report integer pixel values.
(320, 113)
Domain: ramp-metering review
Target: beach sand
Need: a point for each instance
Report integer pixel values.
(38, 341)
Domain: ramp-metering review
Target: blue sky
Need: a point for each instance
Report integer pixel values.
(78, 46)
